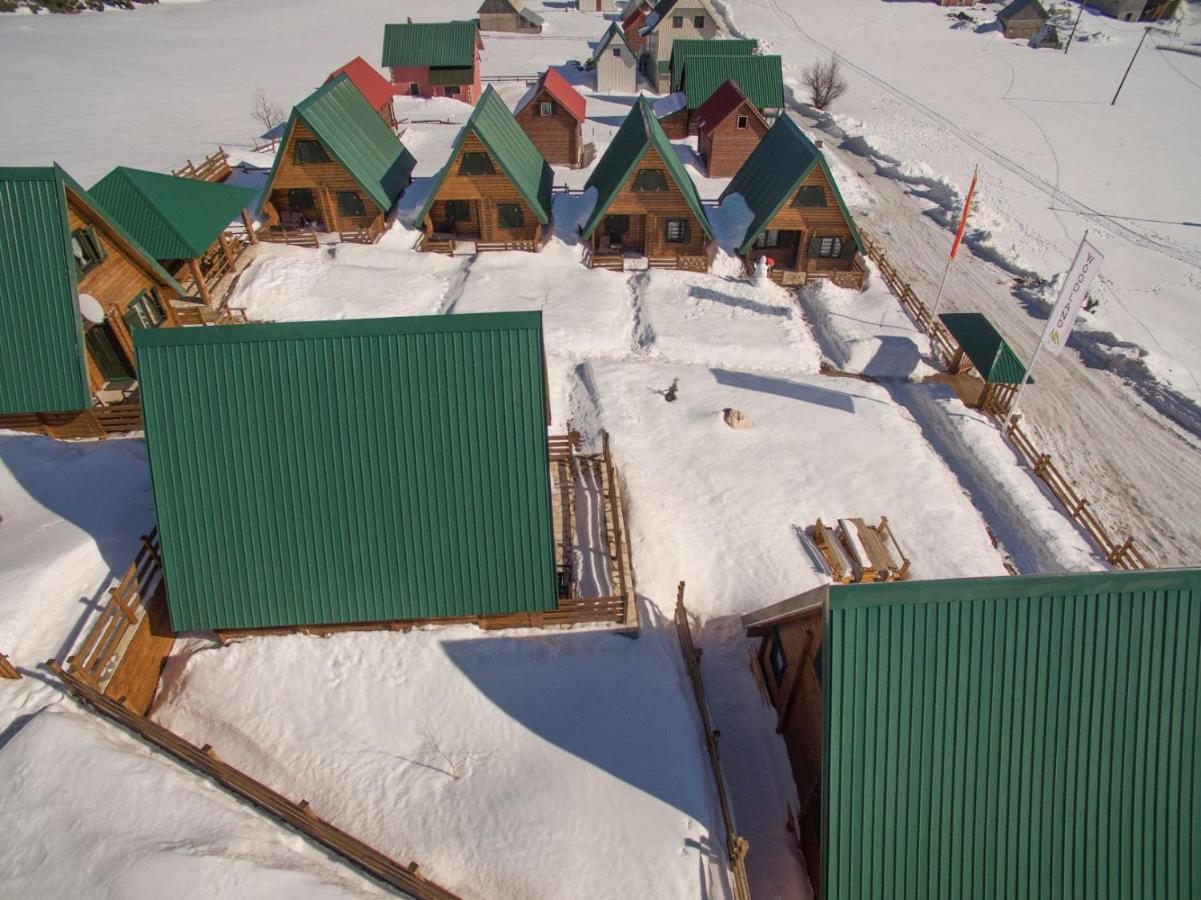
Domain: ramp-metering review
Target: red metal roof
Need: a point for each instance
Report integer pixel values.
(720, 104)
(371, 84)
(634, 22)
(556, 85)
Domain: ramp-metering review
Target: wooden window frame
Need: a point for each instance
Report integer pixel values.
(812, 191)
(742, 123)
(640, 179)
(145, 310)
(685, 231)
(513, 211)
(92, 252)
(764, 243)
(343, 211)
(777, 659)
(476, 156)
(309, 144)
(546, 108)
(829, 246)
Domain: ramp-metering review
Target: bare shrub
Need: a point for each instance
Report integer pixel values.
(266, 112)
(825, 82)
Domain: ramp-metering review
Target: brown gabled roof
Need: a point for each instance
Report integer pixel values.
(374, 87)
(721, 103)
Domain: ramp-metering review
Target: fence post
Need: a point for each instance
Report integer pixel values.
(7, 669)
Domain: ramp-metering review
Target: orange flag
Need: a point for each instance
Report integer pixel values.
(967, 205)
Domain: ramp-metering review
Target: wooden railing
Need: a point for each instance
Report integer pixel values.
(268, 145)
(299, 816)
(277, 234)
(736, 847)
(613, 498)
(996, 401)
(490, 246)
(681, 263)
(7, 669)
(211, 168)
(368, 234)
(428, 245)
(202, 315)
(118, 419)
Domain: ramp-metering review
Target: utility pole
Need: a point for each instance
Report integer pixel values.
(1075, 25)
(1146, 31)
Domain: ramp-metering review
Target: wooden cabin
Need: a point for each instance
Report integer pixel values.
(670, 21)
(552, 115)
(198, 231)
(730, 127)
(339, 168)
(682, 49)
(495, 189)
(646, 205)
(633, 20)
(800, 220)
(434, 59)
(942, 732)
(615, 63)
(507, 15)
(76, 287)
(760, 78)
(375, 88)
(1022, 19)
(600, 6)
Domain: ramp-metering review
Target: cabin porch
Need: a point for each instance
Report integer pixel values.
(211, 276)
(793, 264)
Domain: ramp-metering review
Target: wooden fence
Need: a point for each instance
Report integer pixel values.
(303, 237)
(211, 168)
(427, 244)
(368, 234)
(736, 847)
(95, 423)
(491, 246)
(7, 669)
(203, 315)
(1126, 554)
(299, 816)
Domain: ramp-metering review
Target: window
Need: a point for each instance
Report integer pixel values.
(677, 21)
(414, 89)
(811, 195)
(350, 204)
(451, 90)
(309, 152)
(649, 181)
(546, 108)
(742, 122)
(769, 239)
(476, 164)
(678, 231)
(779, 662)
(458, 210)
(300, 198)
(88, 251)
(617, 227)
(829, 247)
(144, 311)
(509, 215)
(698, 22)
(617, 52)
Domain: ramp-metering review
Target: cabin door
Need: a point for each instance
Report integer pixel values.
(106, 354)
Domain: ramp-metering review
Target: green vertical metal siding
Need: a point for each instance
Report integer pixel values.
(357, 471)
(42, 361)
(1014, 737)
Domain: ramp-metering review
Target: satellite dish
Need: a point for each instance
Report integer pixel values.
(91, 309)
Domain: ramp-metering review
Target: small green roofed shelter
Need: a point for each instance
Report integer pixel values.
(645, 201)
(495, 188)
(339, 166)
(799, 219)
(354, 471)
(185, 223)
(682, 49)
(983, 348)
(1015, 736)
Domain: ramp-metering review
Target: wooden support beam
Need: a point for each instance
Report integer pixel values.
(7, 669)
(251, 235)
(225, 251)
(194, 268)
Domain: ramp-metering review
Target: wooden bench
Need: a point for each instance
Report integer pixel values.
(857, 552)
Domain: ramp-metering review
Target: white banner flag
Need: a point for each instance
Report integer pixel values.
(1071, 297)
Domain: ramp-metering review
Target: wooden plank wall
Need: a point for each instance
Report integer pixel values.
(657, 207)
(557, 136)
(827, 221)
(325, 180)
(726, 147)
(486, 191)
(135, 681)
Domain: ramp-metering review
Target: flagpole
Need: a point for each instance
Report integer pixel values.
(941, 286)
(967, 205)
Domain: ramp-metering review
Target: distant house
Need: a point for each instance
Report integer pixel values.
(495, 188)
(645, 202)
(616, 63)
(1022, 19)
(182, 222)
(670, 21)
(507, 15)
(633, 20)
(760, 78)
(552, 114)
(682, 49)
(339, 165)
(74, 286)
(799, 218)
(598, 5)
(434, 59)
(730, 127)
(1136, 10)
(349, 472)
(952, 732)
(375, 88)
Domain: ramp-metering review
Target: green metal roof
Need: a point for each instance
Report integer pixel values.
(993, 358)
(773, 172)
(640, 131)
(353, 134)
(350, 471)
(1014, 737)
(513, 151)
(431, 44)
(172, 218)
(760, 77)
(42, 361)
(682, 49)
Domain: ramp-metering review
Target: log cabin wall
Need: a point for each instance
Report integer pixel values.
(675, 125)
(823, 221)
(116, 282)
(796, 693)
(658, 207)
(726, 146)
(556, 136)
(325, 180)
(487, 192)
